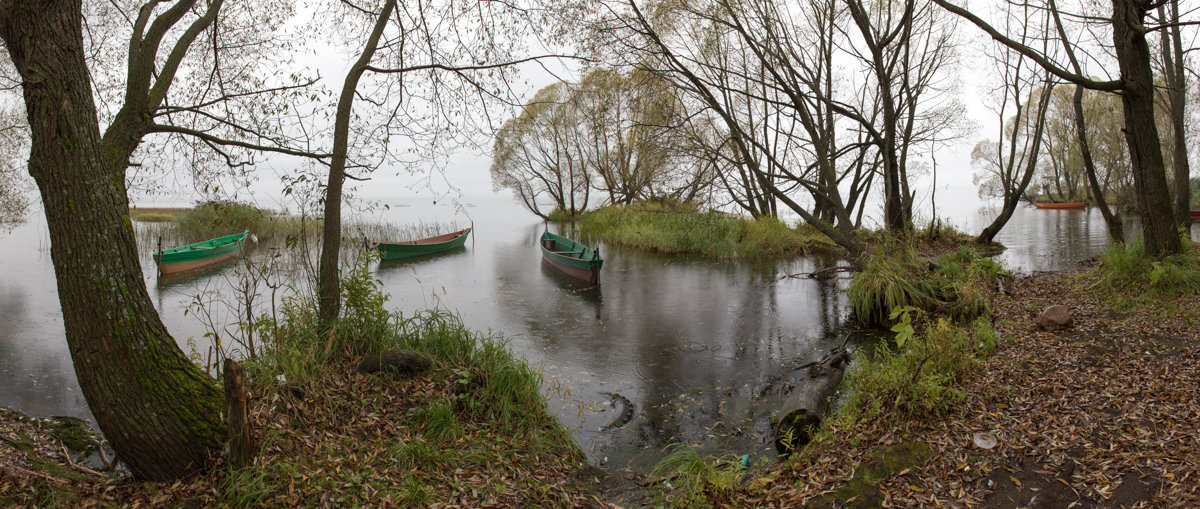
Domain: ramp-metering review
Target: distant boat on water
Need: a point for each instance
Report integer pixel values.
(571, 258)
(409, 249)
(1066, 205)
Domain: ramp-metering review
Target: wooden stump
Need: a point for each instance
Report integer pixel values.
(237, 415)
(807, 404)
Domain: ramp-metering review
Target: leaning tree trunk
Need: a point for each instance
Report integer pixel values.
(161, 414)
(1145, 148)
(1116, 230)
(329, 283)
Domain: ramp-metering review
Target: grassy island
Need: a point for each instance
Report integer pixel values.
(673, 228)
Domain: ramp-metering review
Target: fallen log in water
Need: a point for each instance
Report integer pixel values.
(807, 404)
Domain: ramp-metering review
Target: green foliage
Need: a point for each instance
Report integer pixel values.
(562, 215)
(441, 423)
(678, 228)
(1128, 266)
(890, 278)
(492, 384)
(903, 327)
(696, 481)
(919, 379)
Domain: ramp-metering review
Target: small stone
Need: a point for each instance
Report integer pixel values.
(1055, 317)
(399, 361)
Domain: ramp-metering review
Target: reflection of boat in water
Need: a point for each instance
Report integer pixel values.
(388, 265)
(201, 255)
(409, 249)
(570, 257)
(1065, 205)
(587, 290)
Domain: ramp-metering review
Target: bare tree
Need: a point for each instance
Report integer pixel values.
(1010, 164)
(420, 68)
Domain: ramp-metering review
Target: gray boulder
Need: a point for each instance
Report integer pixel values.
(1055, 317)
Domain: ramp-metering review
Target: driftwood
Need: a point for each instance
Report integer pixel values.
(823, 273)
(237, 415)
(803, 409)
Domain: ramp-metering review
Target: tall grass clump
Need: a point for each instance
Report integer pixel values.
(677, 228)
(218, 218)
(490, 383)
(894, 276)
(1127, 266)
(697, 481)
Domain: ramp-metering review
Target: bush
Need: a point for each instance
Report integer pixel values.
(1128, 266)
(919, 379)
(218, 218)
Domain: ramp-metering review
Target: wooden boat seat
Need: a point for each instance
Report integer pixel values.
(568, 253)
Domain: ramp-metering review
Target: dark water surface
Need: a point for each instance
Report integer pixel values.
(698, 346)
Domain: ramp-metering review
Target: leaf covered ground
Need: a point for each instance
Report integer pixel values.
(1103, 414)
(351, 441)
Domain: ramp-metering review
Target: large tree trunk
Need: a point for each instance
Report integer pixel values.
(1145, 149)
(161, 414)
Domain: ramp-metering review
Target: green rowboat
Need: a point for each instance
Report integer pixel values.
(199, 255)
(397, 250)
(570, 257)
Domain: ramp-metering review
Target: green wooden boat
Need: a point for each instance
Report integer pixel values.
(570, 257)
(199, 255)
(397, 250)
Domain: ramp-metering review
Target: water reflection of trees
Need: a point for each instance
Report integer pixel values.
(678, 337)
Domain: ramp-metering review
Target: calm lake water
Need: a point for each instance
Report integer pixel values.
(698, 346)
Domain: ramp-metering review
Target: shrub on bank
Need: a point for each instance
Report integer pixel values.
(919, 378)
(1127, 266)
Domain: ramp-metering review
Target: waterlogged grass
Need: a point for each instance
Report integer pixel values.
(694, 480)
(680, 229)
(895, 275)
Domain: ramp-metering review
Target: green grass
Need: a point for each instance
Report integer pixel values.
(1124, 266)
(681, 229)
(696, 481)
